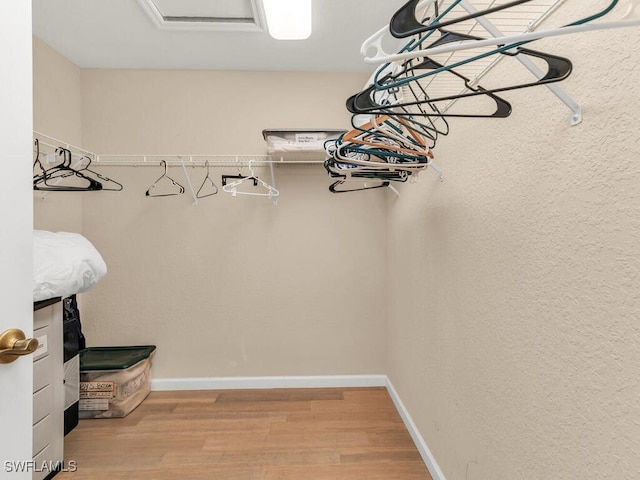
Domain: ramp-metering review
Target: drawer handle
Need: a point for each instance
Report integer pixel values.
(13, 344)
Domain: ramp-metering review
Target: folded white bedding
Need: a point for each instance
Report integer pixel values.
(64, 264)
(278, 144)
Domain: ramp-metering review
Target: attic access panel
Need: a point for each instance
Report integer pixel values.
(219, 15)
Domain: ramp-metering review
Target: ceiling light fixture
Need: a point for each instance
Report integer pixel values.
(288, 19)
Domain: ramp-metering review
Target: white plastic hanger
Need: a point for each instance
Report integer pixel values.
(630, 18)
(231, 188)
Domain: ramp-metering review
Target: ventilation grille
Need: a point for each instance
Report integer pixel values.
(219, 15)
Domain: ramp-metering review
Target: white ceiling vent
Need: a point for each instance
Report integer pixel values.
(220, 15)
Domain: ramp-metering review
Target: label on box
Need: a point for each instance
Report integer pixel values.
(306, 137)
(98, 389)
(43, 346)
(94, 404)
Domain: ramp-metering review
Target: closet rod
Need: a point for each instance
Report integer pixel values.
(53, 143)
(137, 160)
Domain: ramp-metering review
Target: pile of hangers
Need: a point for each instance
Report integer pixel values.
(166, 186)
(68, 176)
(404, 107)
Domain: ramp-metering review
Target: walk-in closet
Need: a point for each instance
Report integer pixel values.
(404, 244)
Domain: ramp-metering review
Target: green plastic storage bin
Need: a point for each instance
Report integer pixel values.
(114, 380)
(113, 358)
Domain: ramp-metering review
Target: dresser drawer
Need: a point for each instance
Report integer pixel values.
(43, 457)
(43, 335)
(42, 434)
(43, 317)
(42, 402)
(48, 388)
(42, 373)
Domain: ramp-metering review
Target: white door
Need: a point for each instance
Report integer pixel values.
(16, 226)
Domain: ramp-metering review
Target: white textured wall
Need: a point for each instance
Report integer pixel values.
(56, 113)
(206, 112)
(511, 289)
(233, 286)
(514, 319)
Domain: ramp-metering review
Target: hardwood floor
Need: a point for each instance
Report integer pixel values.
(310, 434)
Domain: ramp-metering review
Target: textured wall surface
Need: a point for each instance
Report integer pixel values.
(57, 113)
(236, 286)
(510, 290)
(56, 95)
(233, 286)
(206, 112)
(514, 319)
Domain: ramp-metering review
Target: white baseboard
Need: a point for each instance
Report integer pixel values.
(427, 457)
(324, 381)
(243, 383)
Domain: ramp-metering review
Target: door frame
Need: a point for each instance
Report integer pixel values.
(16, 234)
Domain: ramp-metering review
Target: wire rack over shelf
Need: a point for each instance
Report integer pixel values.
(515, 20)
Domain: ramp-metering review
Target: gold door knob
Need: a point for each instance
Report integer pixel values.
(13, 343)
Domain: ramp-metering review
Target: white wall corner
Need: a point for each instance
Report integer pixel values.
(421, 445)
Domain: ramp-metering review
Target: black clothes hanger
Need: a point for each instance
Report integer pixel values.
(207, 178)
(175, 187)
(37, 160)
(333, 187)
(117, 186)
(362, 103)
(558, 69)
(61, 172)
(404, 22)
(237, 177)
(343, 170)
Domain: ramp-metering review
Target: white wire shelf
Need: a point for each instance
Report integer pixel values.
(51, 146)
(213, 160)
(520, 19)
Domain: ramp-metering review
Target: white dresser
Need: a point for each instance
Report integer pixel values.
(48, 390)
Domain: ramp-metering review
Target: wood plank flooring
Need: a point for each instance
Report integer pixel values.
(283, 434)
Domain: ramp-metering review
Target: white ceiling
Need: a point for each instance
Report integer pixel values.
(120, 34)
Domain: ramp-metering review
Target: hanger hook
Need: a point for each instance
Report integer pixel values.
(164, 164)
(66, 155)
(37, 160)
(251, 169)
(88, 161)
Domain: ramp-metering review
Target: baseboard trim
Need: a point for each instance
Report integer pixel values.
(244, 383)
(323, 381)
(427, 457)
